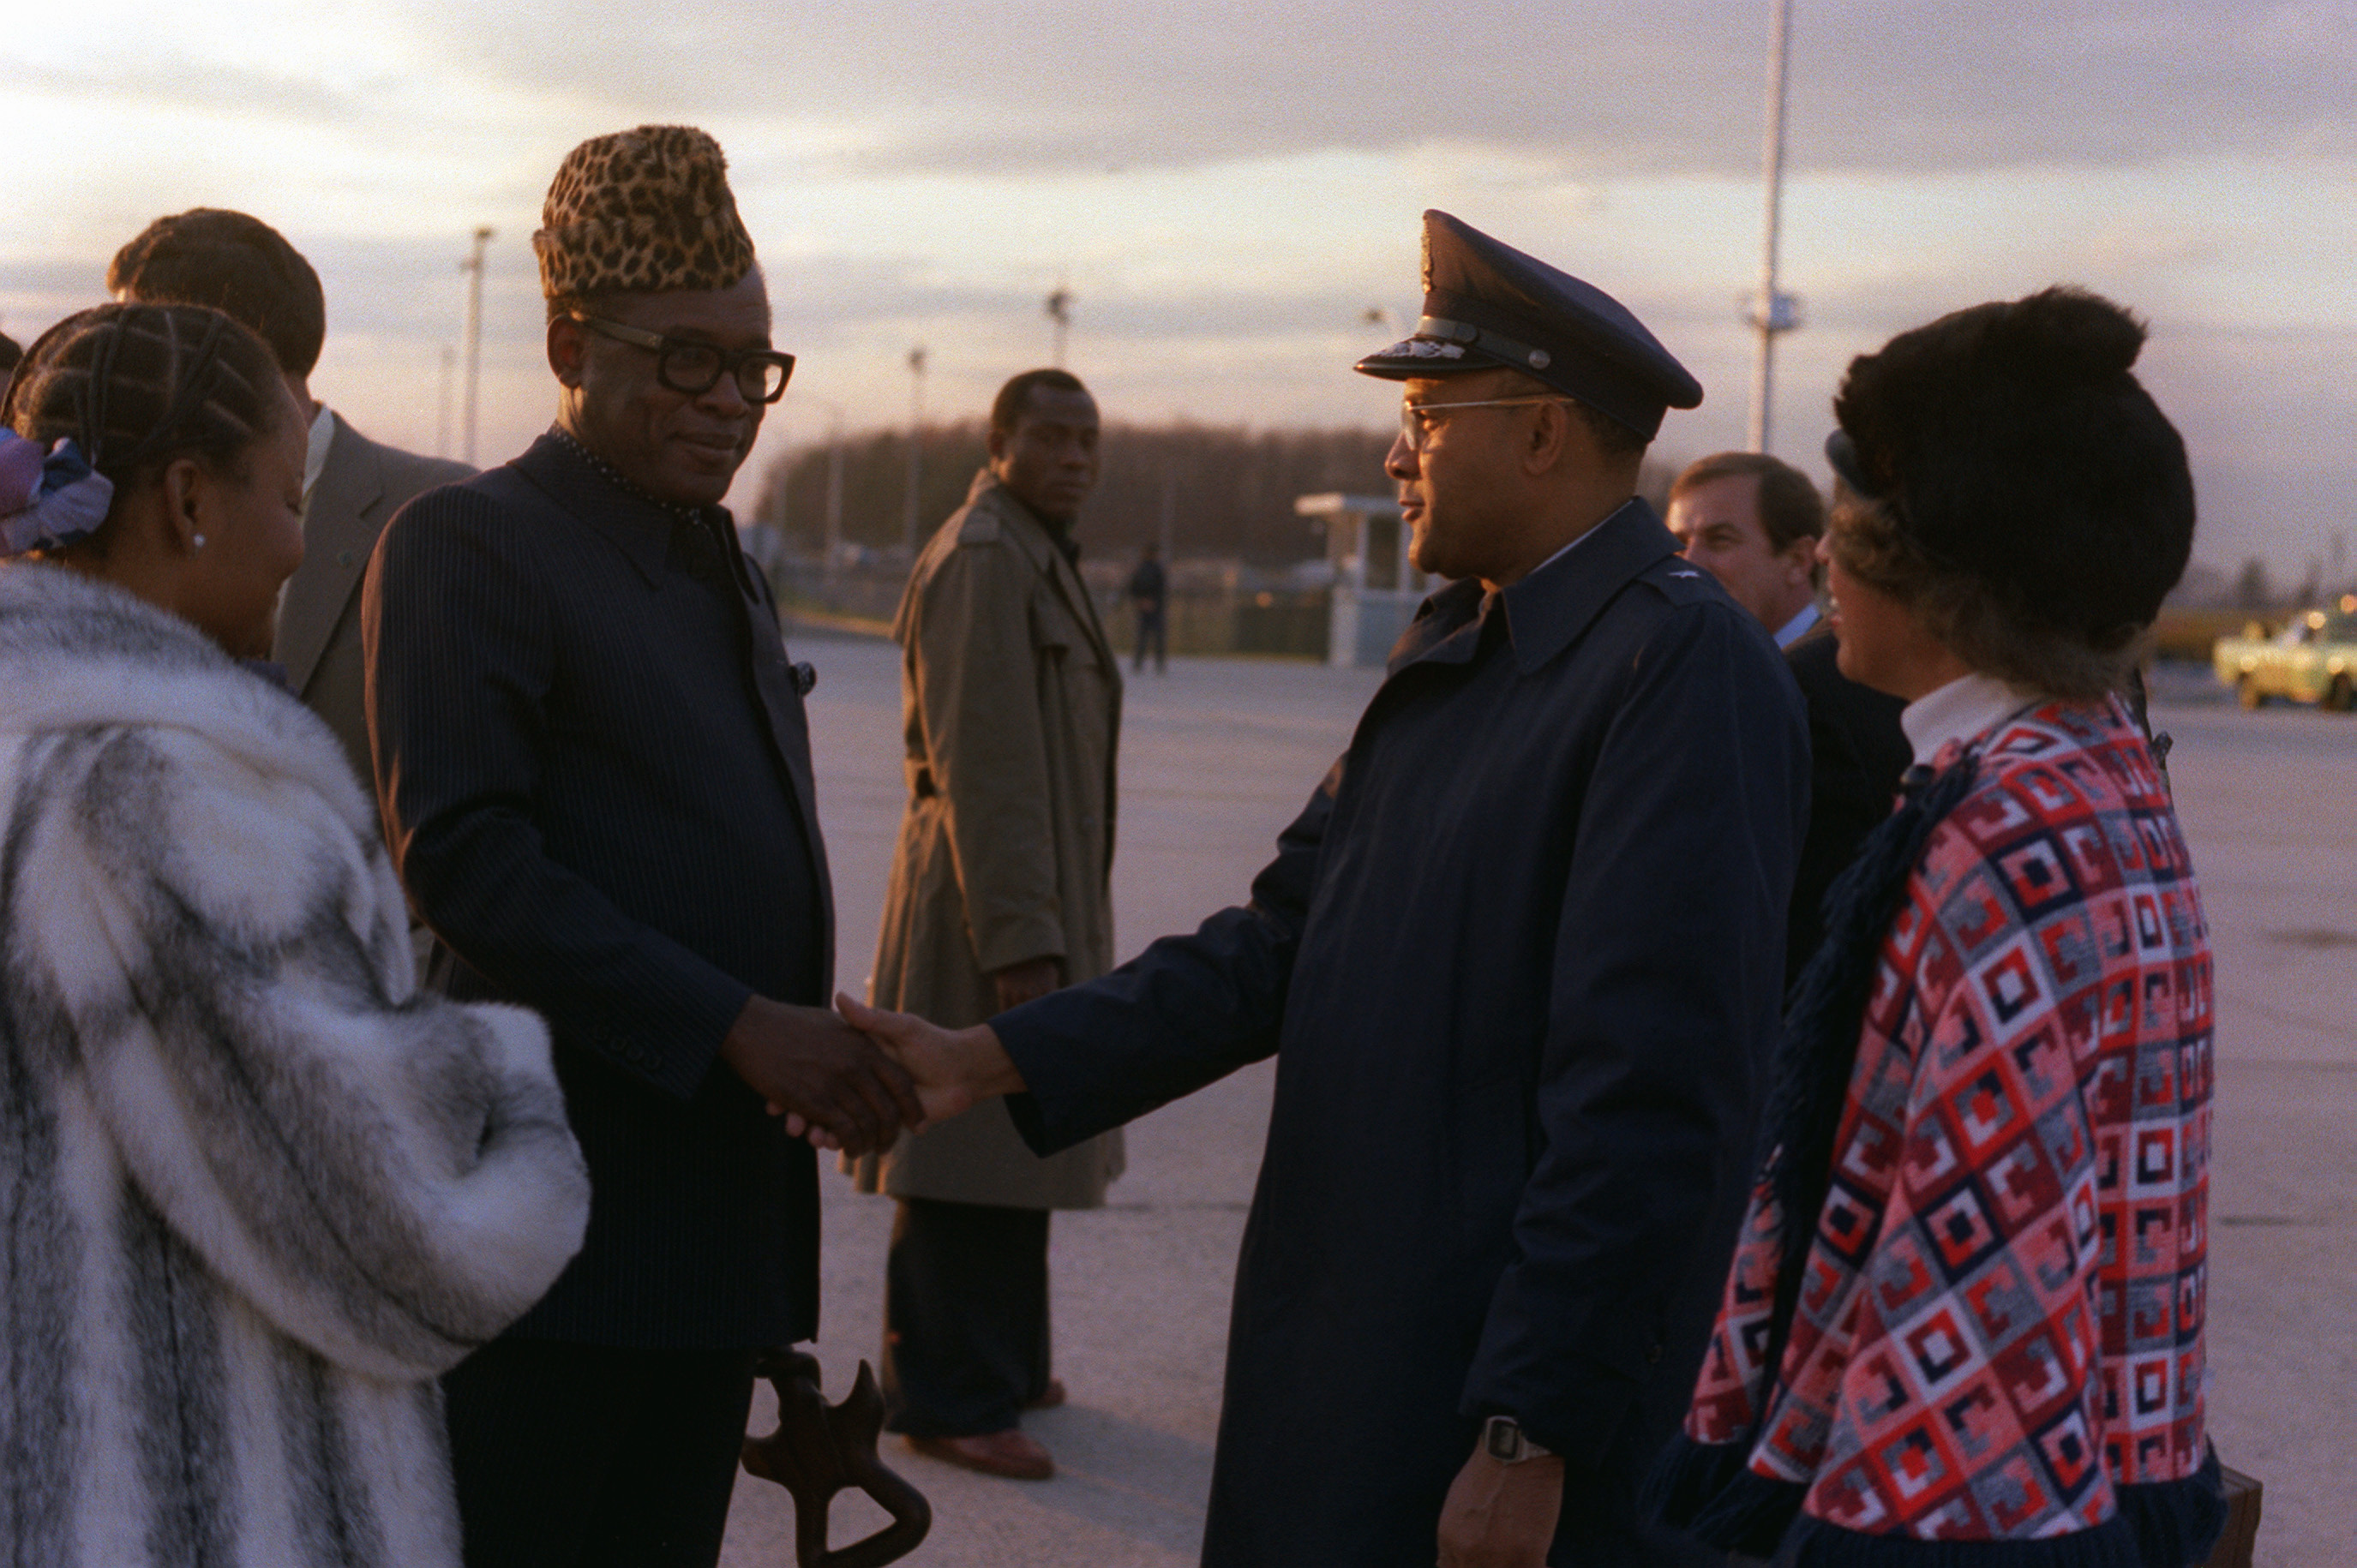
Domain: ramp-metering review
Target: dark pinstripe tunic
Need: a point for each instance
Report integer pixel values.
(594, 769)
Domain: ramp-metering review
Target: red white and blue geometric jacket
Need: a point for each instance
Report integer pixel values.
(1998, 1333)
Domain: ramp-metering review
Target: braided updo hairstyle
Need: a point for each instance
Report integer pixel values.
(139, 387)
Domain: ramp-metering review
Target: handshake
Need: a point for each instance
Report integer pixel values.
(855, 1078)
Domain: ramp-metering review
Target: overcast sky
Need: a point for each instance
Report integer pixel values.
(1228, 189)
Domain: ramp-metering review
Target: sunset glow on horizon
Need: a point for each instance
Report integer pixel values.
(1228, 189)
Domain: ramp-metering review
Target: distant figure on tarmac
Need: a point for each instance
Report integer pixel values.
(1001, 891)
(1753, 522)
(351, 486)
(1966, 1322)
(593, 763)
(1149, 598)
(1519, 962)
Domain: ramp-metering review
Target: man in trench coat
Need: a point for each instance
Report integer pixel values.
(1519, 962)
(1000, 893)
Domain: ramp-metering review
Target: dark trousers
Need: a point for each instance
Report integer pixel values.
(966, 1317)
(1150, 628)
(587, 1456)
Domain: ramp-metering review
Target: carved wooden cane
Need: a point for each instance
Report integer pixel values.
(818, 1449)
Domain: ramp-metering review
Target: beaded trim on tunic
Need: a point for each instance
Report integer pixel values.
(612, 475)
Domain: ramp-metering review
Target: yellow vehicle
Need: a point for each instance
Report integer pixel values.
(2313, 660)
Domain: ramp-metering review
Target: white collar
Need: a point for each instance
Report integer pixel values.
(1792, 630)
(1961, 710)
(315, 452)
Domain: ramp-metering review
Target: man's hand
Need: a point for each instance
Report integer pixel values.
(1499, 1515)
(828, 1081)
(1026, 981)
(953, 1068)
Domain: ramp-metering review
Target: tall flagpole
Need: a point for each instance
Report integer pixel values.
(1772, 312)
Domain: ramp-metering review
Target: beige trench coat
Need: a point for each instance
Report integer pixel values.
(1011, 704)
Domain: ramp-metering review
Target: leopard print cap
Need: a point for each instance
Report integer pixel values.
(641, 211)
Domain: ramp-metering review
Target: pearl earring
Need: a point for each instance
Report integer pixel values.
(198, 542)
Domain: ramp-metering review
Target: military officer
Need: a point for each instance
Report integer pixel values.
(1519, 962)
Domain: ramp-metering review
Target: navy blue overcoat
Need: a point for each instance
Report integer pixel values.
(1520, 964)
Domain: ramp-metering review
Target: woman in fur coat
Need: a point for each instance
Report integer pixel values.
(258, 1191)
(1965, 1323)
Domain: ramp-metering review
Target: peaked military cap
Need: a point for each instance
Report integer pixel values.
(1486, 306)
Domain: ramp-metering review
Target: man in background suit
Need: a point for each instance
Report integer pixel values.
(1753, 522)
(351, 485)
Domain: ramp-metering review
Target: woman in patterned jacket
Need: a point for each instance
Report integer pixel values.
(258, 1191)
(1964, 1325)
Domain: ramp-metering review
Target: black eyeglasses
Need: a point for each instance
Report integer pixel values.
(695, 369)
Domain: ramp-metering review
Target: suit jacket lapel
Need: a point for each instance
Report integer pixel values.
(781, 699)
(339, 530)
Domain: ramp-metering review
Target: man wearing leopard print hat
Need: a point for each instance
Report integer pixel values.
(595, 770)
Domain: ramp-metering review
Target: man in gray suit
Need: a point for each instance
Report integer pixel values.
(351, 485)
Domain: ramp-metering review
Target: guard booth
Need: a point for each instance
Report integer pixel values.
(1376, 591)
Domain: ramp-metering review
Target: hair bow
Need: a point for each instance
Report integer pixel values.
(47, 502)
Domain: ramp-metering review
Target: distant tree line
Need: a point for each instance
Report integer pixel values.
(1227, 491)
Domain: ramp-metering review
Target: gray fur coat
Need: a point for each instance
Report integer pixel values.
(258, 1191)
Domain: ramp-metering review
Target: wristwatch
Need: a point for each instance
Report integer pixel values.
(1502, 1440)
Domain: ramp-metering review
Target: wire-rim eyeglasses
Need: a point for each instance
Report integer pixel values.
(1412, 428)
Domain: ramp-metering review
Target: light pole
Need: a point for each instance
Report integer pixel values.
(442, 410)
(1059, 311)
(472, 337)
(1772, 312)
(833, 526)
(916, 447)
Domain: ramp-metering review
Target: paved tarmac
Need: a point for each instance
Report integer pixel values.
(1218, 755)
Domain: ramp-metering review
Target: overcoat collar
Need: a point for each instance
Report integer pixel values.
(340, 524)
(1549, 610)
(1030, 535)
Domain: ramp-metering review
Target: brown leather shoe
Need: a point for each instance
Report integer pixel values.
(1009, 1454)
(1049, 1397)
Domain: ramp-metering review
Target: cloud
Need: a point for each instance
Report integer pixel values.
(164, 83)
(963, 87)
